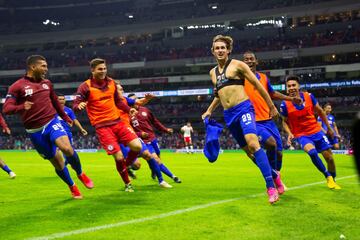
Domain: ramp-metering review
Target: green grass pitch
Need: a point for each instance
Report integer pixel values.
(38, 204)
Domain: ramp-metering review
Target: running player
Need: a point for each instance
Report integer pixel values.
(334, 141)
(187, 130)
(143, 123)
(267, 130)
(99, 96)
(75, 165)
(299, 122)
(34, 99)
(3, 165)
(228, 78)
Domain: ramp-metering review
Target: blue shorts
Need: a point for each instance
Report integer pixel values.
(240, 120)
(124, 149)
(267, 129)
(319, 140)
(155, 145)
(44, 140)
(332, 141)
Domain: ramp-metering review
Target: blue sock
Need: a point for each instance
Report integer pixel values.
(317, 162)
(274, 174)
(272, 156)
(74, 161)
(65, 176)
(165, 170)
(279, 165)
(6, 169)
(154, 166)
(333, 174)
(263, 163)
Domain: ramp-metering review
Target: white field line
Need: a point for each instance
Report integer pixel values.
(168, 214)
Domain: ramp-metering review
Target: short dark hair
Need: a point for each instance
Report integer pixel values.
(96, 61)
(249, 52)
(292, 78)
(33, 59)
(327, 104)
(60, 94)
(131, 95)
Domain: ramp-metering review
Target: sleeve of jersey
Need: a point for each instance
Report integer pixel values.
(130, 101)
(157, 124)
(313, 99)
(56, 104)
(120, 104)
(270, 88)
(71, 114)
(2, 122)
(10, 105)
(81, 95)
(283, 110)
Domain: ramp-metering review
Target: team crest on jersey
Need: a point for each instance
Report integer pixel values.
(45, 86)
(144, 114)
(28, 92)
(110, 147)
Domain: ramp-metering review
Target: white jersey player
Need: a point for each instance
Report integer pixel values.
(187, 130)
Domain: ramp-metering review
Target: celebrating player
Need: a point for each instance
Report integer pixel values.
(267, 130)
(75, 165)
(99, 96)
(334, 141)
(299, 122)
(143, 123)
(3, 165)
(34, 99)
(228, 78)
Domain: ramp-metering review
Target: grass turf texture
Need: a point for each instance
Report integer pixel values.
(37, 203)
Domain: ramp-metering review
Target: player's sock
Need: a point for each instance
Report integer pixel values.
(6, 169)
(187, 149)
(333, 174)
(121, 168)
(272, 156)
(274, 173)
(65, 176)
(131, 157)
(263, 163)
(191, 148)
(317, 162)
(279, 165)
(155, 167)
(74, 161)
(165, 170)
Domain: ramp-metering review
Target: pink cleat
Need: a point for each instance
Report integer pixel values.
(75, 192)
(279, 184)
(273, 195)
(86, 180)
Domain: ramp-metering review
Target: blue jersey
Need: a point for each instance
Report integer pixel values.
(65, 125)
(331, 120)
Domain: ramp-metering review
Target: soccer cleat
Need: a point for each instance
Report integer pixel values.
(273, 195)
(176, 179)
(86, 180)
(12, 175)
(331, 183)
(164, 184)
(75, 192)
(131, 173)
(129, 188)
(279, 184)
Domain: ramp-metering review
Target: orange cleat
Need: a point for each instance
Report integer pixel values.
(86, 180)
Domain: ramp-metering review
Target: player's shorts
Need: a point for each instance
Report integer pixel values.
(240, 120)
(265, 130)
(319, 140)
(124, 149)
(155, 145)
(111, 136)
(44, 138)
(333, 141)
(187, 139)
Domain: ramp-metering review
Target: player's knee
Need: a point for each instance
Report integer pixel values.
(67, 150)
(146, 155)
(253, 146)
(135, 145)
(271, 144)
(136, 165)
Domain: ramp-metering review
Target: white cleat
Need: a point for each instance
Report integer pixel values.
(164, 184)
(12, 175)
